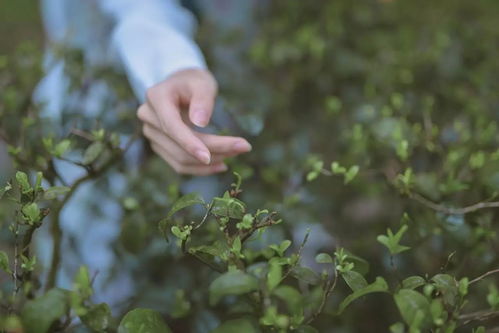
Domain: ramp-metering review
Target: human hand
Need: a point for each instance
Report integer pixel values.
(185, 98)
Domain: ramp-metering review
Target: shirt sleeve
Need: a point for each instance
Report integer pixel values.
(152, 39)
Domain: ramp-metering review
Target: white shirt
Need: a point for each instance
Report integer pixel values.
(150, 39)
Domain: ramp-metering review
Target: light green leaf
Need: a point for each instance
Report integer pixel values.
(228, 207)
(274, 275)
(55, 191)
(231, 283)
(39, 314)
(92, 152)
(31, 212)
(22, 180)
(61, 147)
(143, 321)
(5, 189)
(323, 258)
(379, 285)
(354, 280)
(413, 282)
(351, 173)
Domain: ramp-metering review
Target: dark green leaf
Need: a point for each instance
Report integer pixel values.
(447, 286)
(4, 262)
(379, 285)
(305, 274)
(97, 317)
(143, 321)
(242, 325)
(39, 314)
(231, 283)
(412, 305)
(183, 202)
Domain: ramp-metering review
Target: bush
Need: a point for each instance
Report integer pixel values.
(380, 124)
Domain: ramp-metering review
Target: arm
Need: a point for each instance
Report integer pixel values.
(153, 39)
(167, 70)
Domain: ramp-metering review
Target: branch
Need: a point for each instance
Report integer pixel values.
(453, 211)
(56, 228)
(479, 315)
(483, 276)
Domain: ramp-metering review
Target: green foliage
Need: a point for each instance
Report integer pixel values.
(376, 110)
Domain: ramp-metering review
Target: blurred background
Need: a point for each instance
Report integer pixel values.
(385, 85)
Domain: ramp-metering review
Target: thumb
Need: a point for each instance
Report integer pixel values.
(202, 103)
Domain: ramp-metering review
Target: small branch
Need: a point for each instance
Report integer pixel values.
(478, 316)
(328, 290)
(483, 276)
(266, 222)
(453, 211)
(298, 254)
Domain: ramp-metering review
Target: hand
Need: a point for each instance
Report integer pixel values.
(169, 128)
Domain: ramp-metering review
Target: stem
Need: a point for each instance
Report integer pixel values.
(56, 228)
(483, 276)
(453, 211)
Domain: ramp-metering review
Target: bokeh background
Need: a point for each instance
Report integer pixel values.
(387, 85)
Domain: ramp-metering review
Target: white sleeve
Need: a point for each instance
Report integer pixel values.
(153, 39)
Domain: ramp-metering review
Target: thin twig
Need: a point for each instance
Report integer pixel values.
(483, 276)
(453, 211)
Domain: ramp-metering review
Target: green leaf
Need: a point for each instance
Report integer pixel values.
(274, 275)
(22, 180)
(354, 280)
(292, 297)
(143, 321)
(55, 191)
(413, 282)
(447, 286)
(61, 148)
(323, 258)
(5, 189)
(92, 152)
(306, 275)
(4, 262)
(412, 305)
(351, 173)
(183, 202)
(97, 317)
(242, 325)
(31, 212)
(228, 207)
(379, 285)
(391, 241)
(281, 248)
(39, 314)
(232, 283)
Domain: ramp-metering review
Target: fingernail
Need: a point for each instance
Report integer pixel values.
(199, 118)
(203, 156)
(242, 146)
